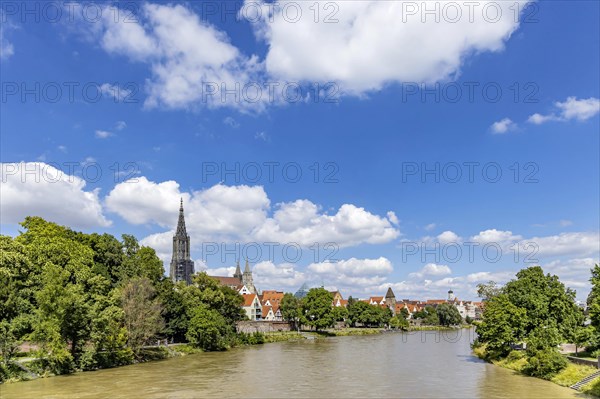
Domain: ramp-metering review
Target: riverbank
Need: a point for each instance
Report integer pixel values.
(568, 376)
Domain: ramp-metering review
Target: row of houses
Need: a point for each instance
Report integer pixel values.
(466, 309)
(266, 305)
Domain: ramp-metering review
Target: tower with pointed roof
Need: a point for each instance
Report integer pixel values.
(390, 299)
(238, 272)
(182, 266)
(247, 279)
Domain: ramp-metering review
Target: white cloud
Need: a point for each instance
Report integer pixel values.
(267, 275)
(431, 269)
(538, 119)
(39, 189)
(503, 126)
(430, 226)
(229, 121)
(576, 243)
(261, 136)
(62, 148)
(570, 109)
(119, 94)
(495, 236)
(448, 237)
(353, 267)
(393, 218)
(120, 125)
(301, 222)
(184, 54)
(6, 48)
(375, 43)
(242, 213)
(140, 201)
(102, 134)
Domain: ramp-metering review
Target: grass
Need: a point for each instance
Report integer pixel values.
(282, 336)
(344, 332)
(572, 373)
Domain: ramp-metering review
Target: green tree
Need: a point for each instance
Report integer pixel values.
(340, 313)
(317, 309)
(546, 301)
(290, 308)
(142, 313)
(488, 290)
(584, 336)
(399, 322)
(594, 298)
(503, 324)
(448, 315)
(208, 330)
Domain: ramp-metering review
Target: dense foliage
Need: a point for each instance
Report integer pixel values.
(535, 309)
(88, 301)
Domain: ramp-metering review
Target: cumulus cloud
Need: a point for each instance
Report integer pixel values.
(39, 189)
(102, 134)
(431, 269)
(448, 237)
(244, 213)
(570, 109)
(369, 45)
(495, 236)
(302, 222)
(185, 54)
(503, 126)
(372, 43)
(575, 243)
(268, 275)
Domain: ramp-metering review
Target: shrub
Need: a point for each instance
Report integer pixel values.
(545, 364)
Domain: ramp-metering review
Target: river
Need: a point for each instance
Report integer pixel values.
(402, 365)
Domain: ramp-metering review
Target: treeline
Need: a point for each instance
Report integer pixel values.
(537, 310)
(89, 301)
(315, 310)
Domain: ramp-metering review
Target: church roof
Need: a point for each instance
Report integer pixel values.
(228, 281)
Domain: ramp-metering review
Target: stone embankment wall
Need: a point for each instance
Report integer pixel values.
(586, 362)
(249, 327)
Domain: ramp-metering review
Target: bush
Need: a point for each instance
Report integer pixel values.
(255, 338)
(545, 364)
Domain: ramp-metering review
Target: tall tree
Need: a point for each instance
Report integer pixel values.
(317, 308)
(448, 315)
(142, 312)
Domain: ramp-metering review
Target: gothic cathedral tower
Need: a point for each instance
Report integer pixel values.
(182, 266)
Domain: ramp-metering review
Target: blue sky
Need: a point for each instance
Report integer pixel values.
(137, 75)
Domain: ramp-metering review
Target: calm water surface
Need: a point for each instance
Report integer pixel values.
(415, 365)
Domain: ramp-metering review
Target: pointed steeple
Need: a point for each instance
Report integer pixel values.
(181, 231)
(247, 268)
(238, 271)
(390, 293)
(182, 266)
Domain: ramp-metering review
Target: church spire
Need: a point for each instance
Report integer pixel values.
(182, 266)
(238, 271)
(181, 231)
(247, 268)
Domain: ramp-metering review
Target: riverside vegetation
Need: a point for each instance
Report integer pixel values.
(91, 301)
(537, 309)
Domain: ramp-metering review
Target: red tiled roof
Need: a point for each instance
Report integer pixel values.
(248, 299)
(228, 281)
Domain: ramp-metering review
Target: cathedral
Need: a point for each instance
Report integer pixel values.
(182, 266)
